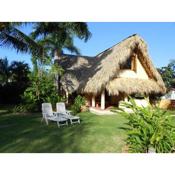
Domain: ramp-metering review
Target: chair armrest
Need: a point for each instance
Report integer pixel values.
(55, 113)
(64, 115)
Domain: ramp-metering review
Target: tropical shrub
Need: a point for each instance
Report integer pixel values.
(149, 128)
(78, 103)
(42, 89)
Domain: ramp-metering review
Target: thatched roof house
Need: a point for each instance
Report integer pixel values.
(125, 68)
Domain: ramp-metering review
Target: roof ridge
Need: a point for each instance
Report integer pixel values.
(134, 35)
(77, 55)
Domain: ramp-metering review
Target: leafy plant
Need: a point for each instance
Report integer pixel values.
(42, 89)
(78, 103)
(12, 37)
(168, 74)
(149, 128)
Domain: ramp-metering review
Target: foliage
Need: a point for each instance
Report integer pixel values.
(47, 40)
(149, 128)
(168, 74)
(78, 103)
(54, 38)
(4, 71)
(61, 33)
(42, 89)
(12, 37)
(57, 36)
(13, 80)
(79, 29)
(56, 69)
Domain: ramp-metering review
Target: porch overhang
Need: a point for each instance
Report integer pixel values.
(133, 85)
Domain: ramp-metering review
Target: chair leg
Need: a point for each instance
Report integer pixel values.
(71, 122)
(47, 122)
(42, 119)
(58, 124)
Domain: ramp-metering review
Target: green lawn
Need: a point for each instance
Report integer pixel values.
(26, 133)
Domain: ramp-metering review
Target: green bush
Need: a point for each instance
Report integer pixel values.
(42, 89)
(149, 128)
(78, 103)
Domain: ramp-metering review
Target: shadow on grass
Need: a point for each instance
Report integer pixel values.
(28, 134)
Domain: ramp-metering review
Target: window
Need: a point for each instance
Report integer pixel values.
(129, 64)
(126, 65)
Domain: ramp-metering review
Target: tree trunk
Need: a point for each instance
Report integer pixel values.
(58, 77)
(59, 84)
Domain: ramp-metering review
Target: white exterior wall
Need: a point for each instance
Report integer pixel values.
(103, 100)
(140, 72)
(127, 74)
(93, 101)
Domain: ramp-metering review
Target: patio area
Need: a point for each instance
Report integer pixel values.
(99, 111)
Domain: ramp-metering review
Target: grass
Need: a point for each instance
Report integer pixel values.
(25, 133)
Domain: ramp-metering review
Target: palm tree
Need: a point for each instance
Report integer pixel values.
(53, 46)
(54, 37)
(58, 36)
(12, 37)
(62, 33)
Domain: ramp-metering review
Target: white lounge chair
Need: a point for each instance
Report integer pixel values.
(61, 109)
(48, 114)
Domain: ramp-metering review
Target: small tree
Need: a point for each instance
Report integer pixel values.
(78, 103)
(42, 88)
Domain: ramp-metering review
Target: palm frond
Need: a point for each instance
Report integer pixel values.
(69, 45)
(41, 29)
(80, 29)
(32, 46)
(12, 37)
(10, 41)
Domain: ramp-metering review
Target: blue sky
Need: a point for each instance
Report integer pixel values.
(160, 38)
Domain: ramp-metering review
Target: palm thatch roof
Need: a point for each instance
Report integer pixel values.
(93, 74)
(132, 85)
